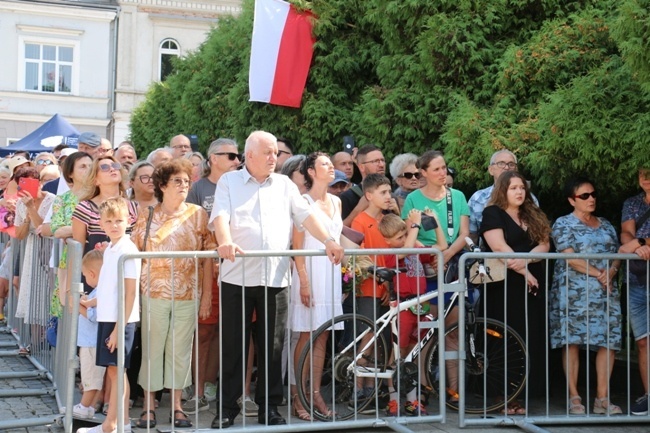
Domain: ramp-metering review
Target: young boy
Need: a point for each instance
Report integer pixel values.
(114, 219)
(373, 300)
(400, 234)
(92, 375)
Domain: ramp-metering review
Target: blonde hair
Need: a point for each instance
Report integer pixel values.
(92, 259)
(114, 206)
(91, 190)
(390, 225)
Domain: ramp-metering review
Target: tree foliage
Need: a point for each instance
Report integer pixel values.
(561, 83)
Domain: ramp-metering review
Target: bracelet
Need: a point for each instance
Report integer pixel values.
(302, 270)
(329, 239)
(615, 268)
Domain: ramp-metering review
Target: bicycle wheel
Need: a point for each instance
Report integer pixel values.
(340, 384)
(496, 370)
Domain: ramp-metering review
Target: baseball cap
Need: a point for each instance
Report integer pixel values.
(339, 176)
(90, 138)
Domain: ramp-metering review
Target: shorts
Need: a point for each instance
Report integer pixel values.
(104, 357)
(408, 328)
(92, 375)
(638, 311)
(213, 319)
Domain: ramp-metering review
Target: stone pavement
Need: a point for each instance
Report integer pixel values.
(14, 409)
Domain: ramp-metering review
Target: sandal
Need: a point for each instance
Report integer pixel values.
(575, 405)
(603, 406)
(299, 411)
(513, 409)
(320, 405)
(146, 423)
(181, 422)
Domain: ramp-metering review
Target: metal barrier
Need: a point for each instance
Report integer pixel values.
(337, 399)
(552, 405)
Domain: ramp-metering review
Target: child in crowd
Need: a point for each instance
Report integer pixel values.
(400, 234)
(114, 220)
(373, 300)
(92, 375)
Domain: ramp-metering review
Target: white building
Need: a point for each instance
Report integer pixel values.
(92, 61)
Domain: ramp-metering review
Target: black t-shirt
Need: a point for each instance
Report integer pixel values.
(349, 200)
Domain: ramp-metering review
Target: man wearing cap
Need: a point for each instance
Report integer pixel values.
(180, 145)
(339, 184)
(89, 142)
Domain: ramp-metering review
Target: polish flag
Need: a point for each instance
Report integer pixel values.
(281, 53)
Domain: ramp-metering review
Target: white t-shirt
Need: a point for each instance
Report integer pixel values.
(107, 286)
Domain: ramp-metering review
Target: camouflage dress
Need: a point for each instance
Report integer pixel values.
(579, 311)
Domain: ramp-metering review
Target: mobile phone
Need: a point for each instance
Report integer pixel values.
(28, 184)
(348, 144)
(428, 222)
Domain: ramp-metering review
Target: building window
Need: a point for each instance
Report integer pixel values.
(48, 67)
(169, 49)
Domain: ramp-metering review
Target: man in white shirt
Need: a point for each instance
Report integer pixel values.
(255, 209)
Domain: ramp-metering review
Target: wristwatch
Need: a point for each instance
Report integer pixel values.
(641, 241)
(416, 226)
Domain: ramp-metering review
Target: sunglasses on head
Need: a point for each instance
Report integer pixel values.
(231, 156)
(108, 167)
(409, 176)
(585, 195)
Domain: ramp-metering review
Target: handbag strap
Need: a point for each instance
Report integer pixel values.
(146, 232)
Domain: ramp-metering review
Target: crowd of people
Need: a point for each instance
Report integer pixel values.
(268, 198)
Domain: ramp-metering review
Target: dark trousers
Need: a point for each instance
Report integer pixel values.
(271, 306)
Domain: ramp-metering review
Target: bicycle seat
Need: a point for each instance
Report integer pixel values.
(384, 274)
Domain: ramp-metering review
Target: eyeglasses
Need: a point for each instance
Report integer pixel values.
(585, 195)
(145, 178)
(44, 162)
(508, 165)
(280, 152)
(409, 176)
(375, 161)
(231, 155)
(108, 167)
(179, 181)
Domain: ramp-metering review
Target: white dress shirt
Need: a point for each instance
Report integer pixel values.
(260, 217)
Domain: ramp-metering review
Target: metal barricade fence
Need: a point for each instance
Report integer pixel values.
(530, 375)
(343, 372)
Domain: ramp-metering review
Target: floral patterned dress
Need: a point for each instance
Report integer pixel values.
(581, 310)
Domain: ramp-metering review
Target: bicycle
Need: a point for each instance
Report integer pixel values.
(358, 351)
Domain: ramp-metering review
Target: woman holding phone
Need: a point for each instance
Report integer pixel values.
(31, 207)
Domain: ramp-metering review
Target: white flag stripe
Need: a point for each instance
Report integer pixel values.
(270, 19)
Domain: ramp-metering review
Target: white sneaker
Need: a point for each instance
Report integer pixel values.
(81, 411)
(210, 391)
(96, 429)
(248, 406)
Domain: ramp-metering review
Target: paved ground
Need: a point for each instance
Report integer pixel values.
(14, 409)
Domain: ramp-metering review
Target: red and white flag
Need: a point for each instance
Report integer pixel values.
(281, 53)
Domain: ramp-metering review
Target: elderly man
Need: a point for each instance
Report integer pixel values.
(160, 156)
(180, 145)
(343, 161)
(125, 154)
(89, 142)
(370, 161)
(502, 160)
(255, 209)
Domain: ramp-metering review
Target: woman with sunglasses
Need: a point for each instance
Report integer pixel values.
(104, 181)
(405, 174)
(43, 160)
(169, 300)
(585, 307)
(141, 183)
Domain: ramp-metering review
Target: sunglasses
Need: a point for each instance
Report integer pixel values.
(44, 162)
(231, 156)
(410, 176)
(586, 195)
(108, 167)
